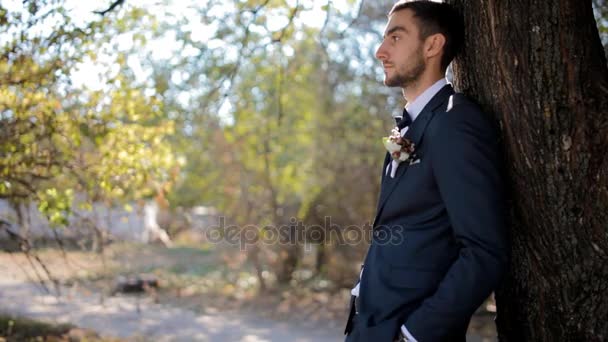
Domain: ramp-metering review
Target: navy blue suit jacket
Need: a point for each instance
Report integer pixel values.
(439, 245)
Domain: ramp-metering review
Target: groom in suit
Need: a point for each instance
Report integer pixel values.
(439, 245)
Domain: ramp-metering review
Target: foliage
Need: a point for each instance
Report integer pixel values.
(600, 11)
(258, 108)
(272, 124)
(59, 140)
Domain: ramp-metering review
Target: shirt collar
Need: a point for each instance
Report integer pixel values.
(415, 107)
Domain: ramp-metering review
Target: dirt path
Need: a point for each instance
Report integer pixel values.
(141, 320)
(186, 312)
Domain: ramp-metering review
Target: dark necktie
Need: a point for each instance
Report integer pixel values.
(403, 121)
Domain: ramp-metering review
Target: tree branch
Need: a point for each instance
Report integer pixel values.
(244, 42)
(292, 16)
(111, 8)
(352, 22)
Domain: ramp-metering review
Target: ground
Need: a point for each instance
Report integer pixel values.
(205, 294)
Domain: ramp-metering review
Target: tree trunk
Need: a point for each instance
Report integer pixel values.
(321, 258)
(253, 254)
(538, 66)
(23, 221)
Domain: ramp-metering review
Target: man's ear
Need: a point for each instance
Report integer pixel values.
(434, 45)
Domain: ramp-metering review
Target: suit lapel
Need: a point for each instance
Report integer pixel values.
(414, 134)
(417, 128)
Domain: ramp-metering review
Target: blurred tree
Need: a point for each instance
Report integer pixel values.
(59, 140)
(539, 67)
(600, 10)
(277, 116)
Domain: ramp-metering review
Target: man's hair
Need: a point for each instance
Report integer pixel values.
(433, 18)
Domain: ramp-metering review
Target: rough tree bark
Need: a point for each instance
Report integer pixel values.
(538, 66)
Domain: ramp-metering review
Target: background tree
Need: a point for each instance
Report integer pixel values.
(539, 67)
(600, 10)
(279, 119)
(58, 139)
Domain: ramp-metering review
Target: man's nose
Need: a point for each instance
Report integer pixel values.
(381, 53)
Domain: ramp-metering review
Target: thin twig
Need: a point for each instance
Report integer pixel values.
(352, 22)
(27, 274)
(27, 251)
(24, 246)
(326, 22)
(232, 74)
(292, 16)
(112, 7)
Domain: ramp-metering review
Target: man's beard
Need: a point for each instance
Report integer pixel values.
(406, 78)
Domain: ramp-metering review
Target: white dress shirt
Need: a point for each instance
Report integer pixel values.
(413, 108)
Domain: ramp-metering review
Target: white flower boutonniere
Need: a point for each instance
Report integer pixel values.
(400, 148)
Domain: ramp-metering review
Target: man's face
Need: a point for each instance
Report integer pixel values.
(401, 50)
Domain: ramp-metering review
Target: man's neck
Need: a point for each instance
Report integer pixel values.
(415, 107)
(418, 87)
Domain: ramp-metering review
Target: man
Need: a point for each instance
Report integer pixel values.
(439, 245)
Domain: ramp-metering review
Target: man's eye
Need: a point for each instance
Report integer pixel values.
(395, 38)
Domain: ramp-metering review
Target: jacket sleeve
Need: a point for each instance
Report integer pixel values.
(466, 163)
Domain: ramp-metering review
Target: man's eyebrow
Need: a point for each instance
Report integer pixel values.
(395, 29)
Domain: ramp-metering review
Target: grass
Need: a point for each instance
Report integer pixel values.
(19, 329)
(22, 329)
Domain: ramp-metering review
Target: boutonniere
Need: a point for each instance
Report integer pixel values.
(400, 148)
